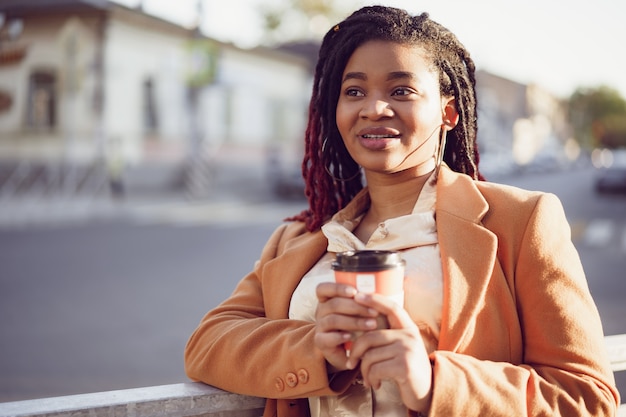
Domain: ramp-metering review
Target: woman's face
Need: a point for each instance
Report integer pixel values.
(390, 110)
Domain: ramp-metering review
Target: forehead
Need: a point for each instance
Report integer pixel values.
(386, 56)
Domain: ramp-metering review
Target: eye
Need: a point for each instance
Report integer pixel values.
(354, 92)
(402, 91)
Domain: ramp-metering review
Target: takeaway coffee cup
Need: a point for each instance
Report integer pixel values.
(372, 271)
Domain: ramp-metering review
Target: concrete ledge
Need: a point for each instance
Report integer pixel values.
(188, 399)
(616, 346)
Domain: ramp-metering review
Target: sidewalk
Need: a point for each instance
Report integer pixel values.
(239, 193)
(27, 212)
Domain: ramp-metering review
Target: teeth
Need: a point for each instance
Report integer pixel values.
(379, 136)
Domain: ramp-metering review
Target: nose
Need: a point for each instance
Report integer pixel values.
(375, 108)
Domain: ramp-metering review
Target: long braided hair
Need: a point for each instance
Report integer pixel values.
(332, 177)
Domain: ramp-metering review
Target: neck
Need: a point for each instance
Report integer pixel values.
(394, 195)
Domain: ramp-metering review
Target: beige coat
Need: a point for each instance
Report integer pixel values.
(520, 333)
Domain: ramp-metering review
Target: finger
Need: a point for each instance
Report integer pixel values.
(328, 290)
(396, 315)
(378, 364)
(332, 347)
(367, 343)
(330, 308)
(392, 354)
(412, 372)
(347, 321)
(331, 340)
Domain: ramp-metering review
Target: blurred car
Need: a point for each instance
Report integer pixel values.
(285, 173)
(611, 179)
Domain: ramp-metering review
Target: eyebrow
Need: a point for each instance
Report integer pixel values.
(395, 75)
(354, 76)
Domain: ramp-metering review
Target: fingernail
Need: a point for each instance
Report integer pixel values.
(370, 323)
(350, 291)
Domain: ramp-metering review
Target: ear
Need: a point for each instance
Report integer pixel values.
(450, 115)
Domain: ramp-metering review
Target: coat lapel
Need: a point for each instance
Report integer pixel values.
(299, 256)
(468, 253)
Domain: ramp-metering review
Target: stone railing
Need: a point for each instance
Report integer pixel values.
(616, 346)
(189, 399)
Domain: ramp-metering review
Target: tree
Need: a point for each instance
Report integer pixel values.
(296, 20)
(598, 117)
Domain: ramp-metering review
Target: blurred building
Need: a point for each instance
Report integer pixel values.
(90, 89)
(94, 93)
(520, 126)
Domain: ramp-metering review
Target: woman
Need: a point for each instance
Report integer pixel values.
(497, 316)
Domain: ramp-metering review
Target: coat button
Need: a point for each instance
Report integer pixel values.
(279, 384)
(303, 376)
(291, 379)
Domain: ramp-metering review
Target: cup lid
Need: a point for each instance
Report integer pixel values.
(367, 260)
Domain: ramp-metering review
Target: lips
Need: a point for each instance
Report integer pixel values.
(380, 136)
(377, 138)
(379, 133)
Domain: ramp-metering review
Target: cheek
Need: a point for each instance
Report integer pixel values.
(343, 117)
(340, 120)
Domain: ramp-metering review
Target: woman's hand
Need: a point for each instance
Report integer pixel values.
(337, 318)
(396, 354)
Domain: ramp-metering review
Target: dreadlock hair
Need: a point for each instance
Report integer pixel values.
(332, 178)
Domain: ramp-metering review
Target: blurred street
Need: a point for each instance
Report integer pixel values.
(108, 301)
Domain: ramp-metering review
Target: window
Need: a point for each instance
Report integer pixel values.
(150, 116)
(41, 113)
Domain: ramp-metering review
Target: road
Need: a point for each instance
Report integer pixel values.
(110, 304)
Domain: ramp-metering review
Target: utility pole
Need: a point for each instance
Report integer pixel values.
(69, 174)
(202, 61)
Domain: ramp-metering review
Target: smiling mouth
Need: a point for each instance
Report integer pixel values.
(380, 136)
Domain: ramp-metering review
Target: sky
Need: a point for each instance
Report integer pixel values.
(557, 44)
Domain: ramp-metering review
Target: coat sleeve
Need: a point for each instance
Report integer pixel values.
(238, 349)
(565, 370)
